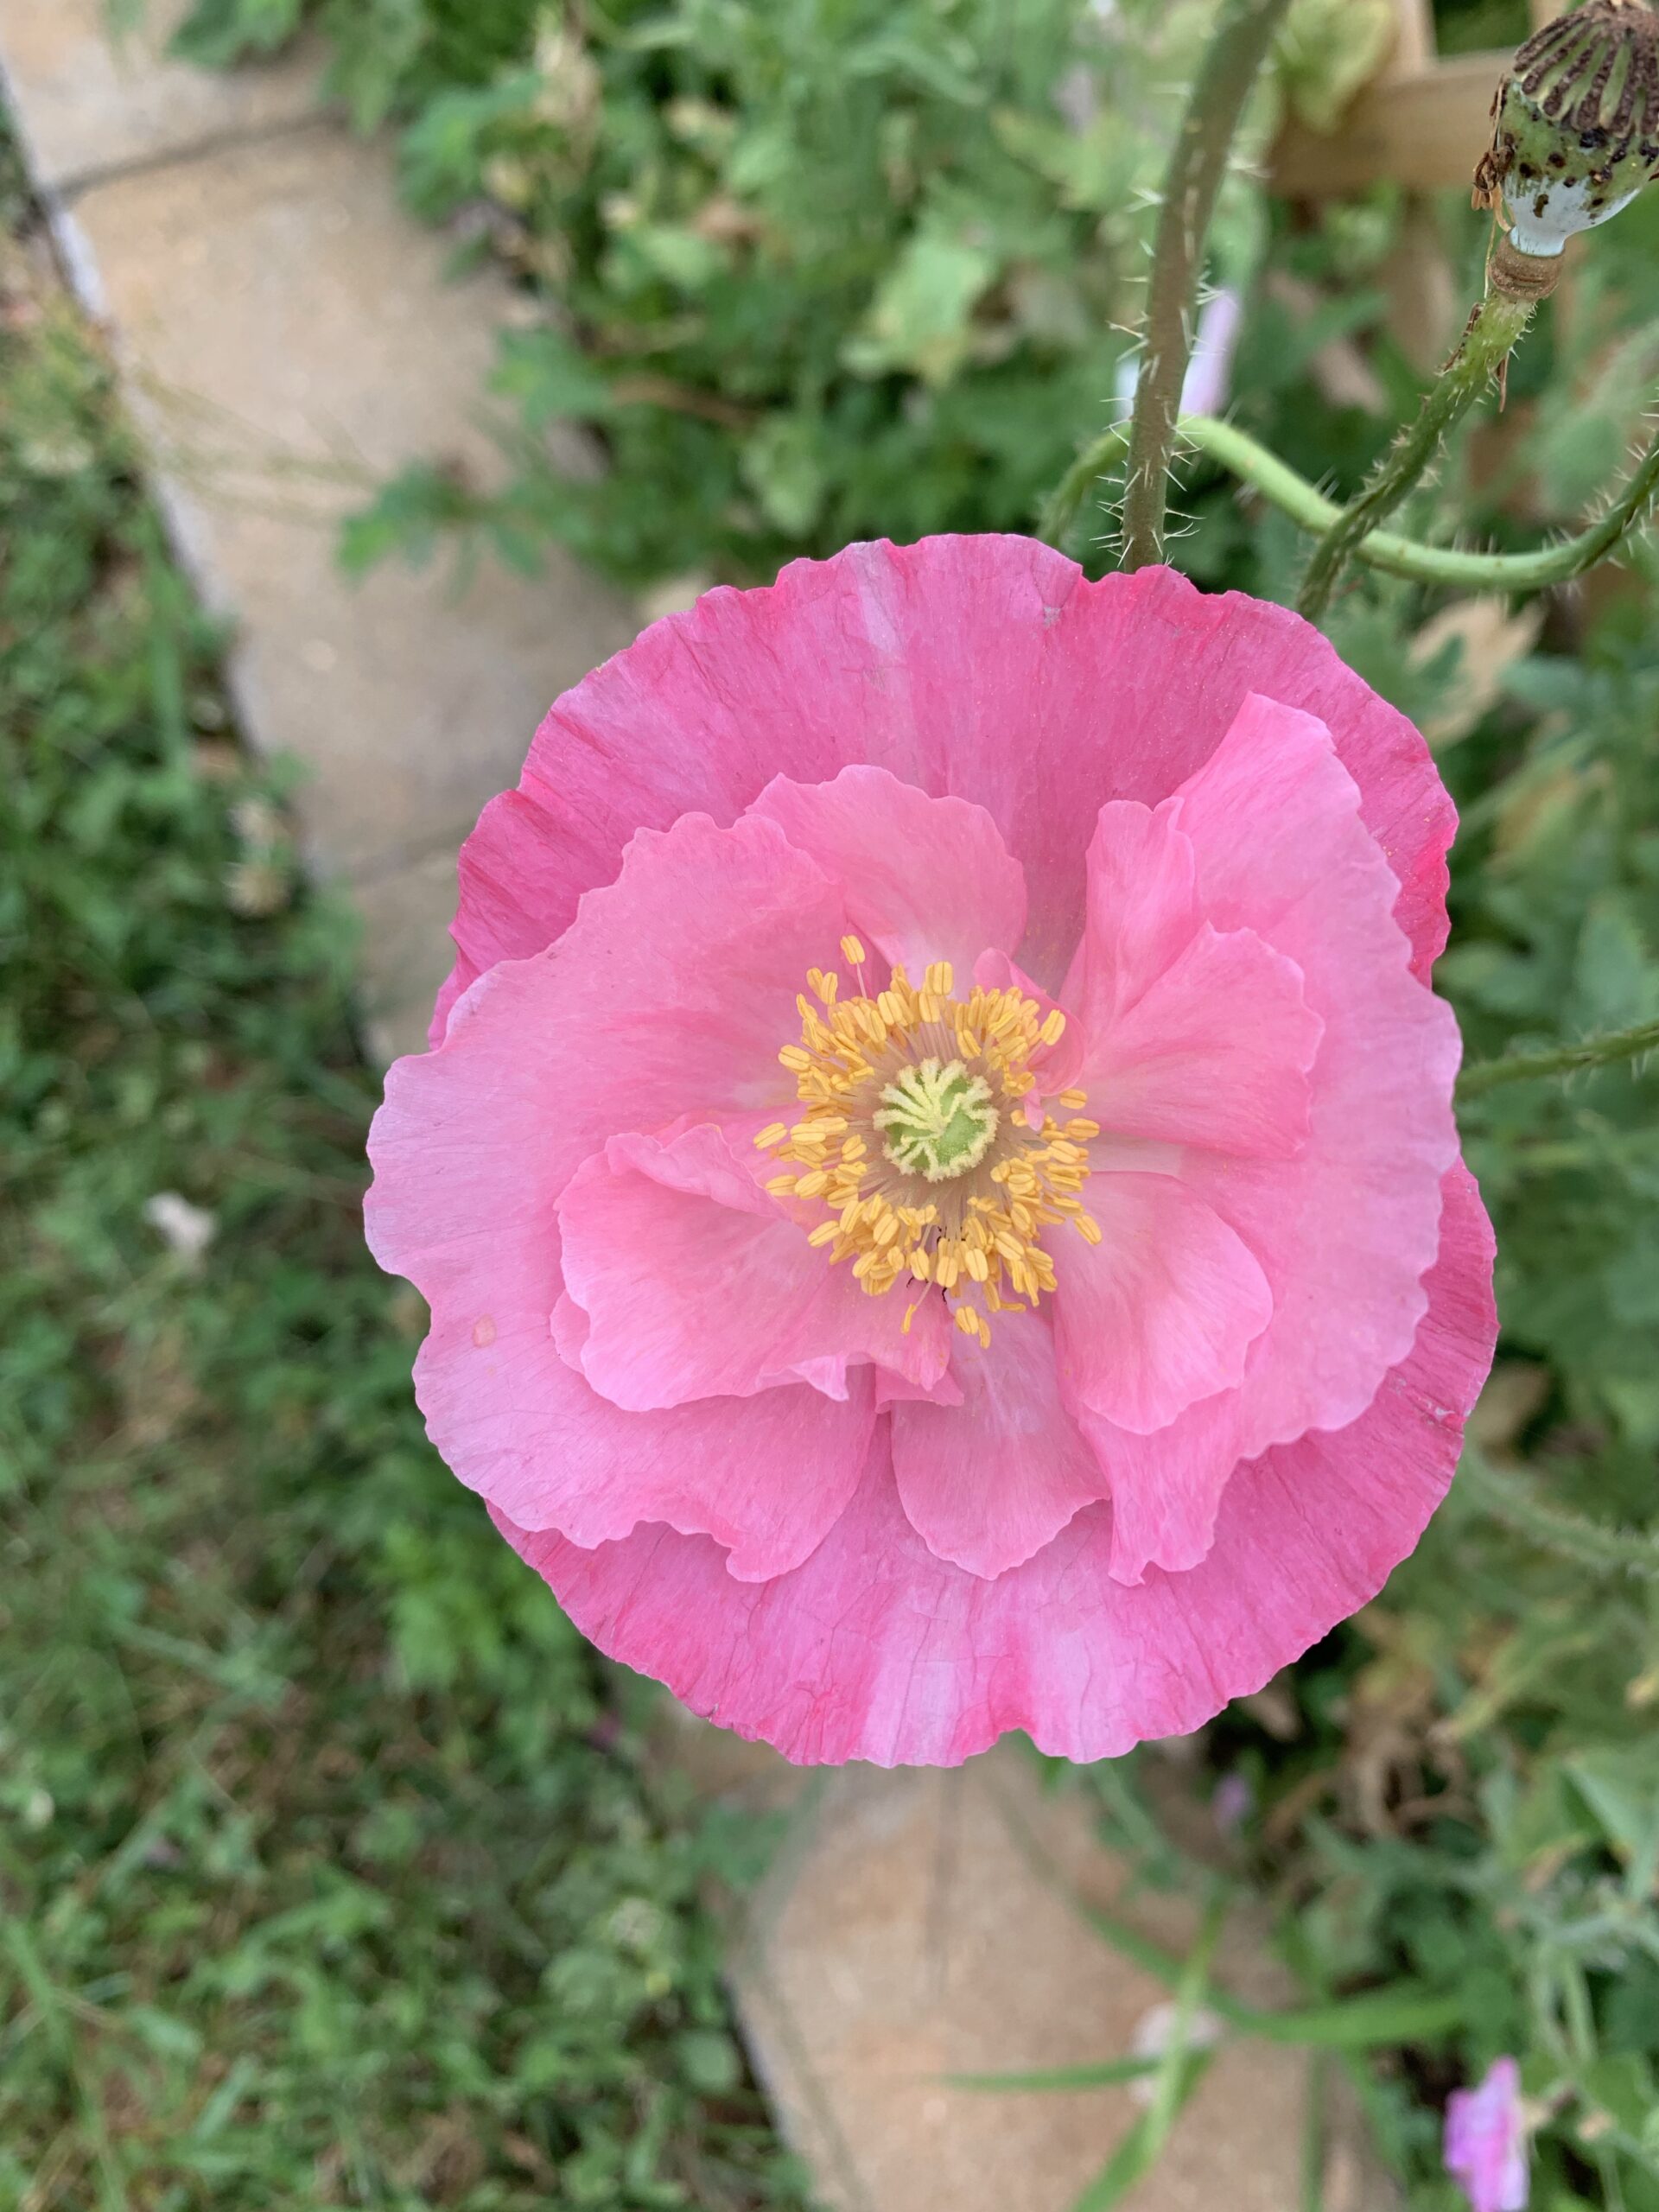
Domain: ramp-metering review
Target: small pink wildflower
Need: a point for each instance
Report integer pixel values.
(935, 1177)
(1486, 2140)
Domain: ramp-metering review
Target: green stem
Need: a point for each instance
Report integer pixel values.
(1511, 1499)
(1605, 1050)
(1190, 1993)
(1494, 327)
(1238, 46)
(1278, 483)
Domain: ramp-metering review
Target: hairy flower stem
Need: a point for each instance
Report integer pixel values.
(1605, 1051)
(1494, 327)
(1279, 484)
(1238, 46)
(1510, 1499)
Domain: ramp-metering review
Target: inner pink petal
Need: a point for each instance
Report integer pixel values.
(1162, 1311)
(988, 1483)
(1215, 1051)
(1165, 1486)
(925, 879)
(766, 1477)
(1346, 1229)
(1142, 909)
(697, 1284)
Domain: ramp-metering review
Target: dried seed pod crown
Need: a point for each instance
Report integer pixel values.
(1575, 131)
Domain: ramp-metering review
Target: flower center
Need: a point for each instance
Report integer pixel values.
(920, 1139)
(938, 1121)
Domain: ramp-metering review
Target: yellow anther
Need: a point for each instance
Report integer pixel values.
(927, 1172)
(1088, 1228)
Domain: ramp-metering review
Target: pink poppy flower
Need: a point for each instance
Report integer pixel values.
(1486, 2140)
(936, 1177)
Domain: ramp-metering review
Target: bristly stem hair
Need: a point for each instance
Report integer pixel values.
(1276, 481)
(1495, 325)
(1238, 46)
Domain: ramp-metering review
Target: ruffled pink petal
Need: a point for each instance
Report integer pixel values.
(697, 1283)
(988, 1483)
(768, 1476)
(467, 1172)
(984, 666)
(876, 1649)
(1162, 1311)
(1165, 1486)
(1141, 912)
(925, 879)
(1346, 1229)
(667, 999)
(1216, 1051)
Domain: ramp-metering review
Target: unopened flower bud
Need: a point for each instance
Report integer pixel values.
(1575, 130)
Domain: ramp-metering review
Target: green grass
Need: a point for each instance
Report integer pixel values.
(329, 1872)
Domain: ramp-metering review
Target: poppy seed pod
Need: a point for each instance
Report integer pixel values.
(1575, 129)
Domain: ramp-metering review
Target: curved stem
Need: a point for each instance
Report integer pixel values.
(1605, 1051)
(1237, 48)
(1280, 484)
(1494, 327)
(1512, 1499)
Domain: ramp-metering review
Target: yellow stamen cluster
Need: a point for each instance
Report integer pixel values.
(960, 1207)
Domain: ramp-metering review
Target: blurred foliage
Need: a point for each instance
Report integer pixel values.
(825, 268)
(330, 1873)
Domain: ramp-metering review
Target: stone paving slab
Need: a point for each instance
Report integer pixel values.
(289, 337)
(916, 1925)
(93, 102)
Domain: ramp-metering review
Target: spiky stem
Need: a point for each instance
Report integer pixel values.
(1608, 1050)
(1509, 1498)
(1494, 327)
(1279, 483)
(1238, 46)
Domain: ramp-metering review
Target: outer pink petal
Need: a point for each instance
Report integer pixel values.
(768, 1476)
(925, 879)
(875, 1649)
(1216, 1051)
(1347, 1229)
(983, 666)
(987, 1483)
(697, 1284)
(1162, 1311)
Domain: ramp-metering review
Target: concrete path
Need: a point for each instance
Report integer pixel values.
(287, 336)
